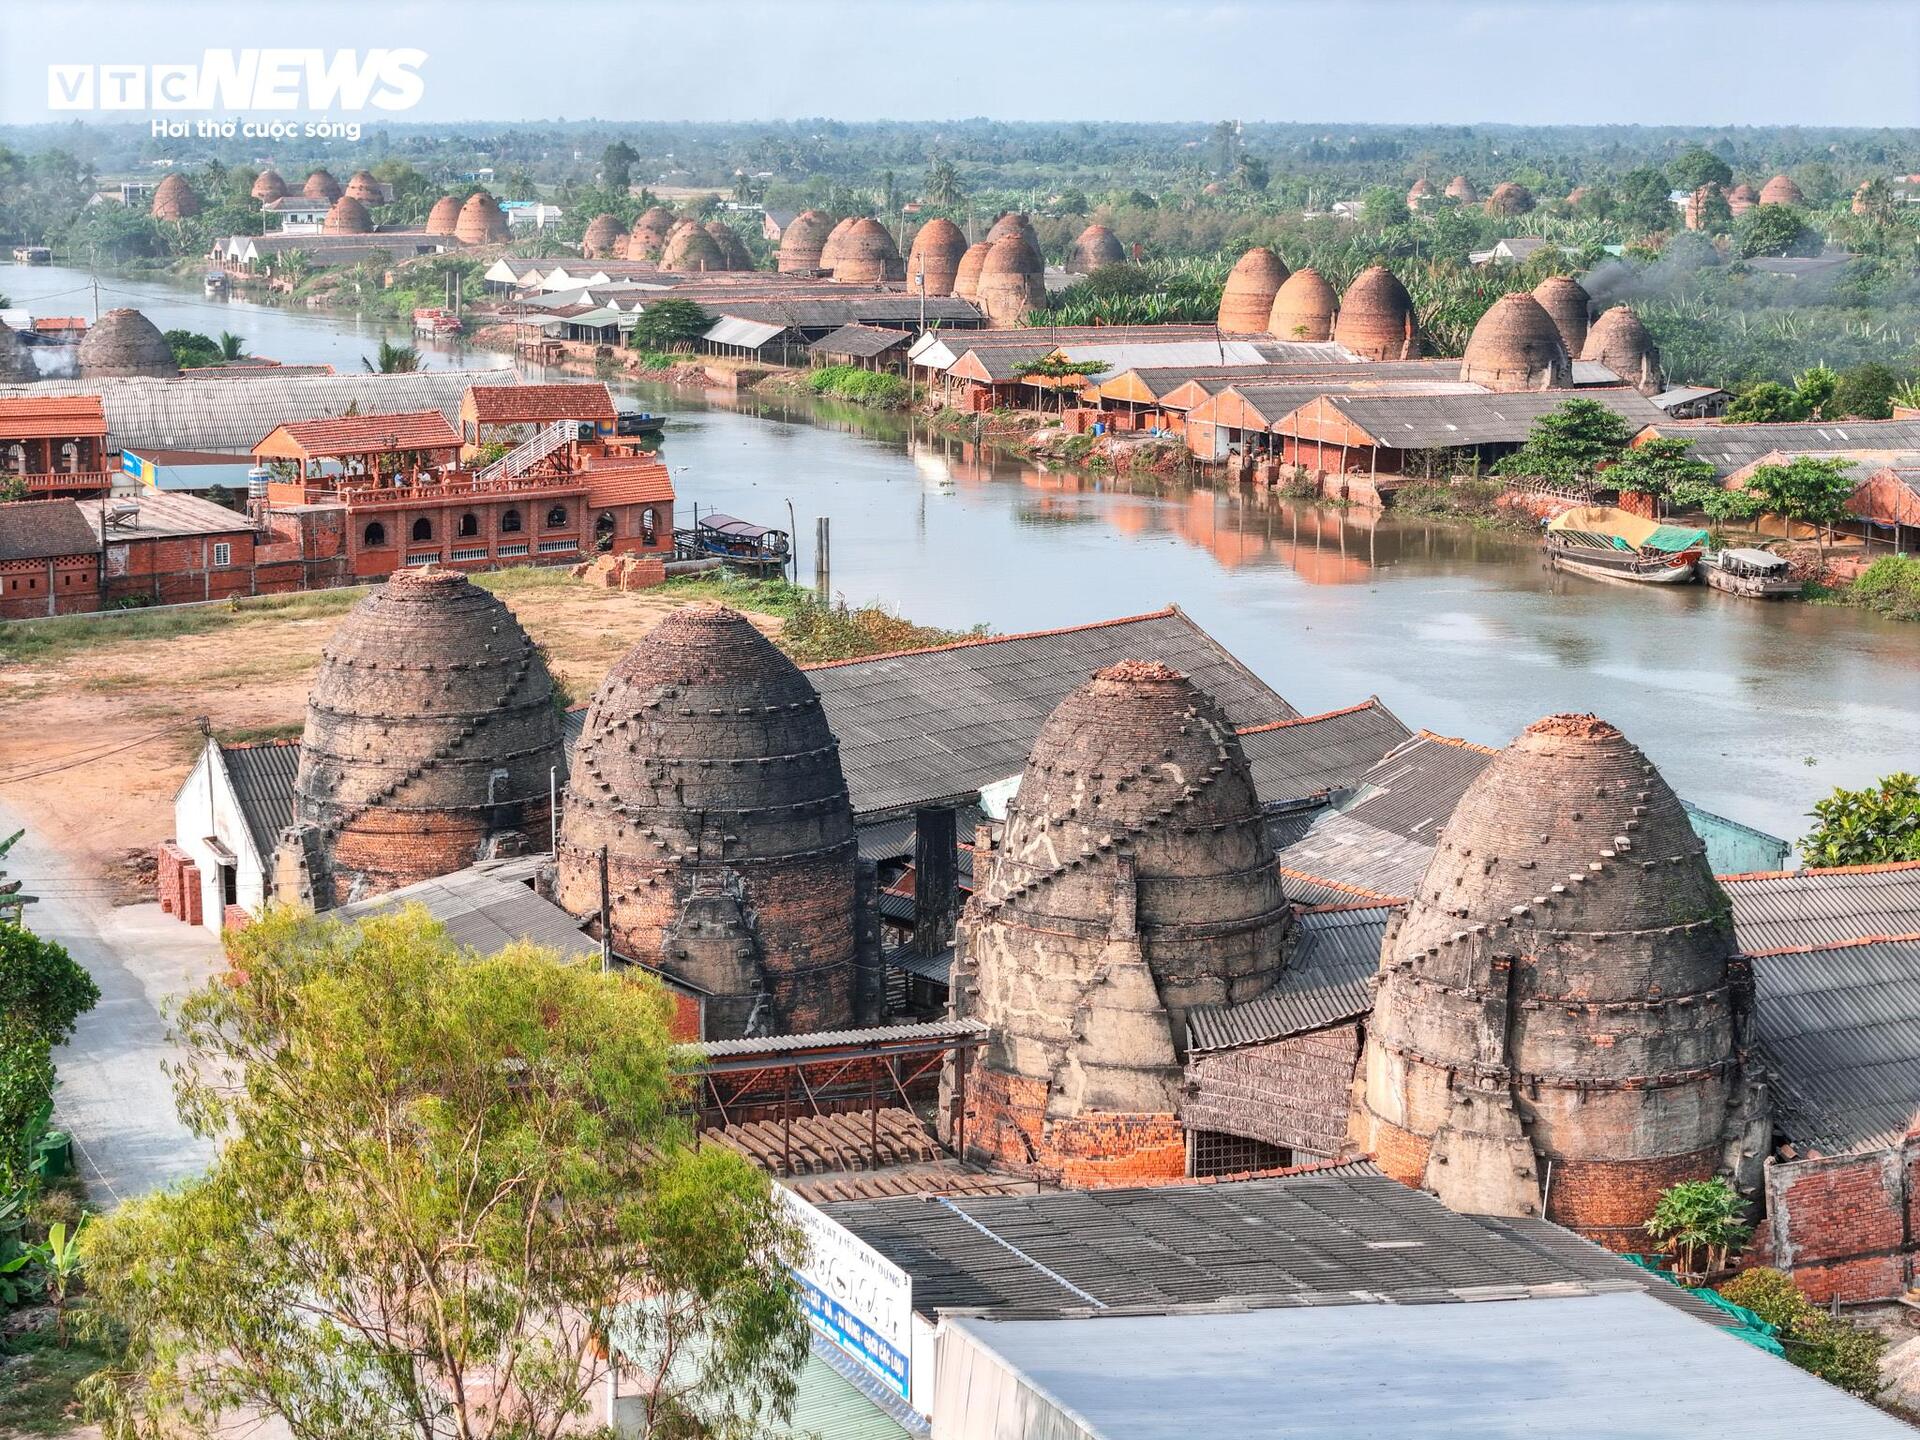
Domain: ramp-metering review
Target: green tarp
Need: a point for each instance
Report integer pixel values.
(1675, 538)
(1749, 1326)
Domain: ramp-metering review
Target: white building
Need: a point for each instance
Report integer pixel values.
(530, 214)
(227, 817)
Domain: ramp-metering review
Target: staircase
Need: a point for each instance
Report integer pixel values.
(523, 457)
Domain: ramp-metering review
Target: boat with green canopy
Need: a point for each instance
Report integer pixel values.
(1606, 543)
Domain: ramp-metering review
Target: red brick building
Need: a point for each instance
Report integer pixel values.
(49, 559)
(55, 445)
(171, 548)
(408, 500)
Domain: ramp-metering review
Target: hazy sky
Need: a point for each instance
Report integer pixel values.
(1707, 62)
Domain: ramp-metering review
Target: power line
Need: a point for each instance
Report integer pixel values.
(88, 759)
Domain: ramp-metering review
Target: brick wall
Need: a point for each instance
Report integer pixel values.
(1006, 1119)
(1844, 1226)
(1609, 1201)
(1295, 1092)
(178, 883)
(1400, 1153)
(176, 569)
(65, 585)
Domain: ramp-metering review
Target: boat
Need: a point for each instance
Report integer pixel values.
(740, 543)
(1605, 543)
(437, 321)
(1756, 574)
(214, 282)
(32, 255)
(638, 422)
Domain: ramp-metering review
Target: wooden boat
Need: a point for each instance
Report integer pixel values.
(214, 282)
(32, 255)
(740, 543)
(638, 422)
(1756, 574)
(1604, 543)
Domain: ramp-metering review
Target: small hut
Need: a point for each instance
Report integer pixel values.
(1376, 317)
(1460, 188)
(1302, 308)
(867, 255)
(1247, 299)
(175, 200)
(1509, 199)
(604, 239)
(1516, 346)
(348, 217)
(1781, 191)
(966, 279)
(934, 259)
(802, 240)
(1566, 301)
(367, 190)
(1094, 249)
(1619, 341)
(1419, 193)
(268, 186)
(482, 221)
(1010, 282)
(125, 342)
(321, 186)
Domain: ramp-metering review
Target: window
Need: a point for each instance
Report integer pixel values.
(222, 553)
(469, 524)
(648, 522)
(510, 523)
(556, 517)
(1216, 1153)
(423, 529)
(375, 535)
(603, 531)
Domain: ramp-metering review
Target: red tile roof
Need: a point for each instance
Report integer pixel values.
(52, 417)
(518, 404)
(361, 434)
(637, 481)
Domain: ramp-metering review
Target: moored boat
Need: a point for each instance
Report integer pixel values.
(1604, 543)
(1756, 574)
(741, 544)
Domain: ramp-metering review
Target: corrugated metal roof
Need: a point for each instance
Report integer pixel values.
(863, 341)
(1600, 1366)
(1413, 790)
(934, 724)
(487, 906)
(937, 967)
(748, 334)
(1353, 853)
(228, 415)
(934, 1030)
(1293, 760)
(1335, 953)
(829, 1406)
(1418, 422)
(1839, 1031)
(1733, 447)
(1824, 907)
(1311, 1237)
(262, 777)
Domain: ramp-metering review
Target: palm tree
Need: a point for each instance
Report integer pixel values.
(394, 360)
(232, 346)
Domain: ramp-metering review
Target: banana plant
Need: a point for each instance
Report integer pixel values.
(60, 1258)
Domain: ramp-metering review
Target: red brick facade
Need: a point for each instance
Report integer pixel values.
(179, 884)
(1844, 1226)
(1609, 1201)
(1006, 1120)
(61, 585)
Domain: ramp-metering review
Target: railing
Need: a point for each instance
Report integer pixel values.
(67, 479)
(525, 456)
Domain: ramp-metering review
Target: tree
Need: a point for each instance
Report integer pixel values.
(191, 349)
(447, 1182)
(1814, 492)
(1250, 173)
(1870, 826)
(1864, 392)
(1641, 201)
(43, 993)
(1691, 169)
(393, 360)
(1837, 1351)
(1815, 388)
(232, 346)
(1664, 468)
(1766, 402)
(1775, 230)
(1060, 372)
(1569, 443)
(616, 166)
(1695, 1221)
(669, 325)
(942, 184)
(1383, 206)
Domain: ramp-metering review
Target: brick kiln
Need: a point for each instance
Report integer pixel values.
(1133, 881)
(431, 731)
(709, 774)
(1517, 346)
(1558, 1011)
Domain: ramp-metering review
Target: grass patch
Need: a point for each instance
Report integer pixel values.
(1466, 498)
(1890, 586)
(654, 360)
(812, 629)
(523, 577)
(866, 387)
(258, 734)
(38, 1378)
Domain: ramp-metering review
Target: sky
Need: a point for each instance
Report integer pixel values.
(1677, 62)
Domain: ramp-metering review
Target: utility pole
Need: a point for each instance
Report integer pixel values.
(606, 915)
(93, 271)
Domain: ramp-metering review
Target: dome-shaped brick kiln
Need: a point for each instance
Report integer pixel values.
(603, 239)
(367, 190)
(175, 200)
(348, 217)
(444, 218)
(1376, 317)
(935, 254)
(1010, 281)
(1516, 346)
(482, 221)
(1619, 341)
(802, 241)
(1567, 302)
(1781, 190)
(966, 279)
(125, 342)
(1303, 307)
(867, 255)
(1095, 248)
(322, 186)
(1247, 298)
(268, 186)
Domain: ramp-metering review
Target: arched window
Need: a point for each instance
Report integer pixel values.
(556, 517)
(376, 534)
(603, 531)
(510, 522)
(423, 529)
(648, 526)
(469, 524)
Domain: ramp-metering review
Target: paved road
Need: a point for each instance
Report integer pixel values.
(112, 1095)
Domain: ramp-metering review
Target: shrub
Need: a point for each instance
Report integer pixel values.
(1890, 586)
(1770, 1294)
(865, 387)
(1839, 1352)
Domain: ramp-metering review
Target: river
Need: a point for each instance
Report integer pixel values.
(1753, 711)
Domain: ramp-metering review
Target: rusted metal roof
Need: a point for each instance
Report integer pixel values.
(1312, 755)
(1414, 788)
(1357, 855)
(1420, 422)
(861, 341)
